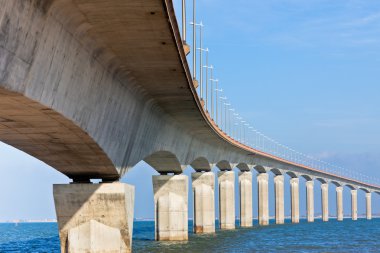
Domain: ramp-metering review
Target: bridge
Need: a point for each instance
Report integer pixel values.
(92, 88)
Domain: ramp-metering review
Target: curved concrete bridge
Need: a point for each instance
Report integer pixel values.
(91, 88)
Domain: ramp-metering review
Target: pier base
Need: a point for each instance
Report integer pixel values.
(95, 217)
(279, 198)
(245, 185)
(295, 200)
(310, 200)
(325, 201)
(204, 202)
(339, 203)
(263, 204)
(171, 207)
(226, 199)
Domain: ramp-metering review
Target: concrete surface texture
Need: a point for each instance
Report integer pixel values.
(354, 204)
(171, 207)
(279, 199)
(325, 201)
(246, 209)
(295, 200)
(263, 201)
(310, 200)
(93, 212)
(368, 205)
(226, 181)
(204, 202)
(339, 203)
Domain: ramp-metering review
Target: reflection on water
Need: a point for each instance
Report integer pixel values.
(332, 236)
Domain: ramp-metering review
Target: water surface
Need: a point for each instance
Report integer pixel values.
(347, 236)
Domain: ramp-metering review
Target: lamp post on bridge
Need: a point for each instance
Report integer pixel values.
(231, 110)
(184, 23)
(221, 112)
(202, 85)
(208, 68)
(217, 102)
(212, 95)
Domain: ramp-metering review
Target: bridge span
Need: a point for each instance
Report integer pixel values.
(92, 88)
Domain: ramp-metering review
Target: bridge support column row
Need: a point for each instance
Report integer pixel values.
(226, 199)
(263, 210)
(325, 201)
(310, 200)
(339, 203)
(246, 211)
(294, 192)
(279, 198)
(95, 217)
(204, 202)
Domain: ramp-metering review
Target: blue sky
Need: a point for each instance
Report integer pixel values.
(305, 73)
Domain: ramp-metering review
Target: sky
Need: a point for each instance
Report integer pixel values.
(305, 73)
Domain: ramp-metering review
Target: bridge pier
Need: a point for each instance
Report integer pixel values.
(171, 207)
(246, 211)
(226, 199)
(310, 200)
(368, 205)
(95, 217)
(325, 201)
(279, 198)
(204, 202)
(354, 204)
(294, 192)
(339, 203)
(263, 209)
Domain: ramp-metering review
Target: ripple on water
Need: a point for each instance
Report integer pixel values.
(347, 236)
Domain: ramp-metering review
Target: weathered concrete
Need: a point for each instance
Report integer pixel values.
(95, 217)
(171, 207)
(339, 203)
(279, 198)
(310, 200)
(354, 204)
(295, 200)
(263, 202)
(204, 202)
(246, 209)
(325, 201)
(368, 205)
(226, 181)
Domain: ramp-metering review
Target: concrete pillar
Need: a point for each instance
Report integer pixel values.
(263, 208)
(325, 201)
(95, 217)
(354, 204)
(204, 202)
(339, 203)
(310, 200)
(368, 205)
(171, 207)
(279, 198)
(226, 199)
(295, 206)
(246, 211)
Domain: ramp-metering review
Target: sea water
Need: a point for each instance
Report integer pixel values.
(347, 236)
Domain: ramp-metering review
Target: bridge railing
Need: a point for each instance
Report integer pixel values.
(220, 109)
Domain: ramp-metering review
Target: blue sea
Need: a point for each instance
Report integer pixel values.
(348, 236)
